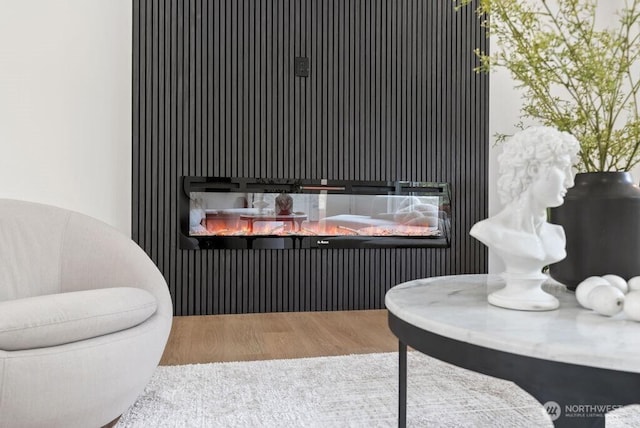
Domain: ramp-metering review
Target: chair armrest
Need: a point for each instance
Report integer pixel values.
(56, 319)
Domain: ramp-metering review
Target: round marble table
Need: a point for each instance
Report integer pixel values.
(577, 363)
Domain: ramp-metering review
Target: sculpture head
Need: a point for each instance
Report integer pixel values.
(537, 161)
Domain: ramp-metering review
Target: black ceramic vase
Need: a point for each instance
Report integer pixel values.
(601, 218)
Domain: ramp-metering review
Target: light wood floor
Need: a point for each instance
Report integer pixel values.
(215, 338)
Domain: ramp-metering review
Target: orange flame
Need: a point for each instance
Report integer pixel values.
(280, 228)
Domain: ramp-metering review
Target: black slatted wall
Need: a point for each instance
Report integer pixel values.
(391, 95)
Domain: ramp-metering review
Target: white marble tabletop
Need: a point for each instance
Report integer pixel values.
(456, 307)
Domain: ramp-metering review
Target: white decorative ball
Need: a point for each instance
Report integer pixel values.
(617, 282)
(606, 300)
(634, 283)
(584, 288)
(632, 305)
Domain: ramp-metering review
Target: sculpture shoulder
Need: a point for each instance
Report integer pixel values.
(498, 232)
(555, 230)
(488, 231)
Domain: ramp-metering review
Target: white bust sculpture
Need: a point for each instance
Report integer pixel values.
(535, 172)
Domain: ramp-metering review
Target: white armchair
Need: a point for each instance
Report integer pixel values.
(84, 318)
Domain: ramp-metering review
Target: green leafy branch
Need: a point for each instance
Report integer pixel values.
(574, 76)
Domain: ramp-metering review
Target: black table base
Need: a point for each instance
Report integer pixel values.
(583, 394)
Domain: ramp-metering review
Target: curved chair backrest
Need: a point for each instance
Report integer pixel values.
(48, 250)
(31, 241)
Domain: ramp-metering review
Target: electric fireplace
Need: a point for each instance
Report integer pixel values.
(252, 213)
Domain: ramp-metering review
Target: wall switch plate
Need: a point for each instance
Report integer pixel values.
(301, 66)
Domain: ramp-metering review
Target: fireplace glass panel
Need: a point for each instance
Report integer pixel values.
(319, 214)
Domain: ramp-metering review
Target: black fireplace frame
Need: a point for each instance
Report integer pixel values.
(257, 185)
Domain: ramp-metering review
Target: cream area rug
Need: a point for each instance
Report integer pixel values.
(344, 391)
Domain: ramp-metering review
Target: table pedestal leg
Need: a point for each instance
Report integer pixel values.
(402, 396)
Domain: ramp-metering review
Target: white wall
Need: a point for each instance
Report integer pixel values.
(504, 110)
(65, 105)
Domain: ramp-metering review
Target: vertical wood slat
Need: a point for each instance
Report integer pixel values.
(391, 95)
